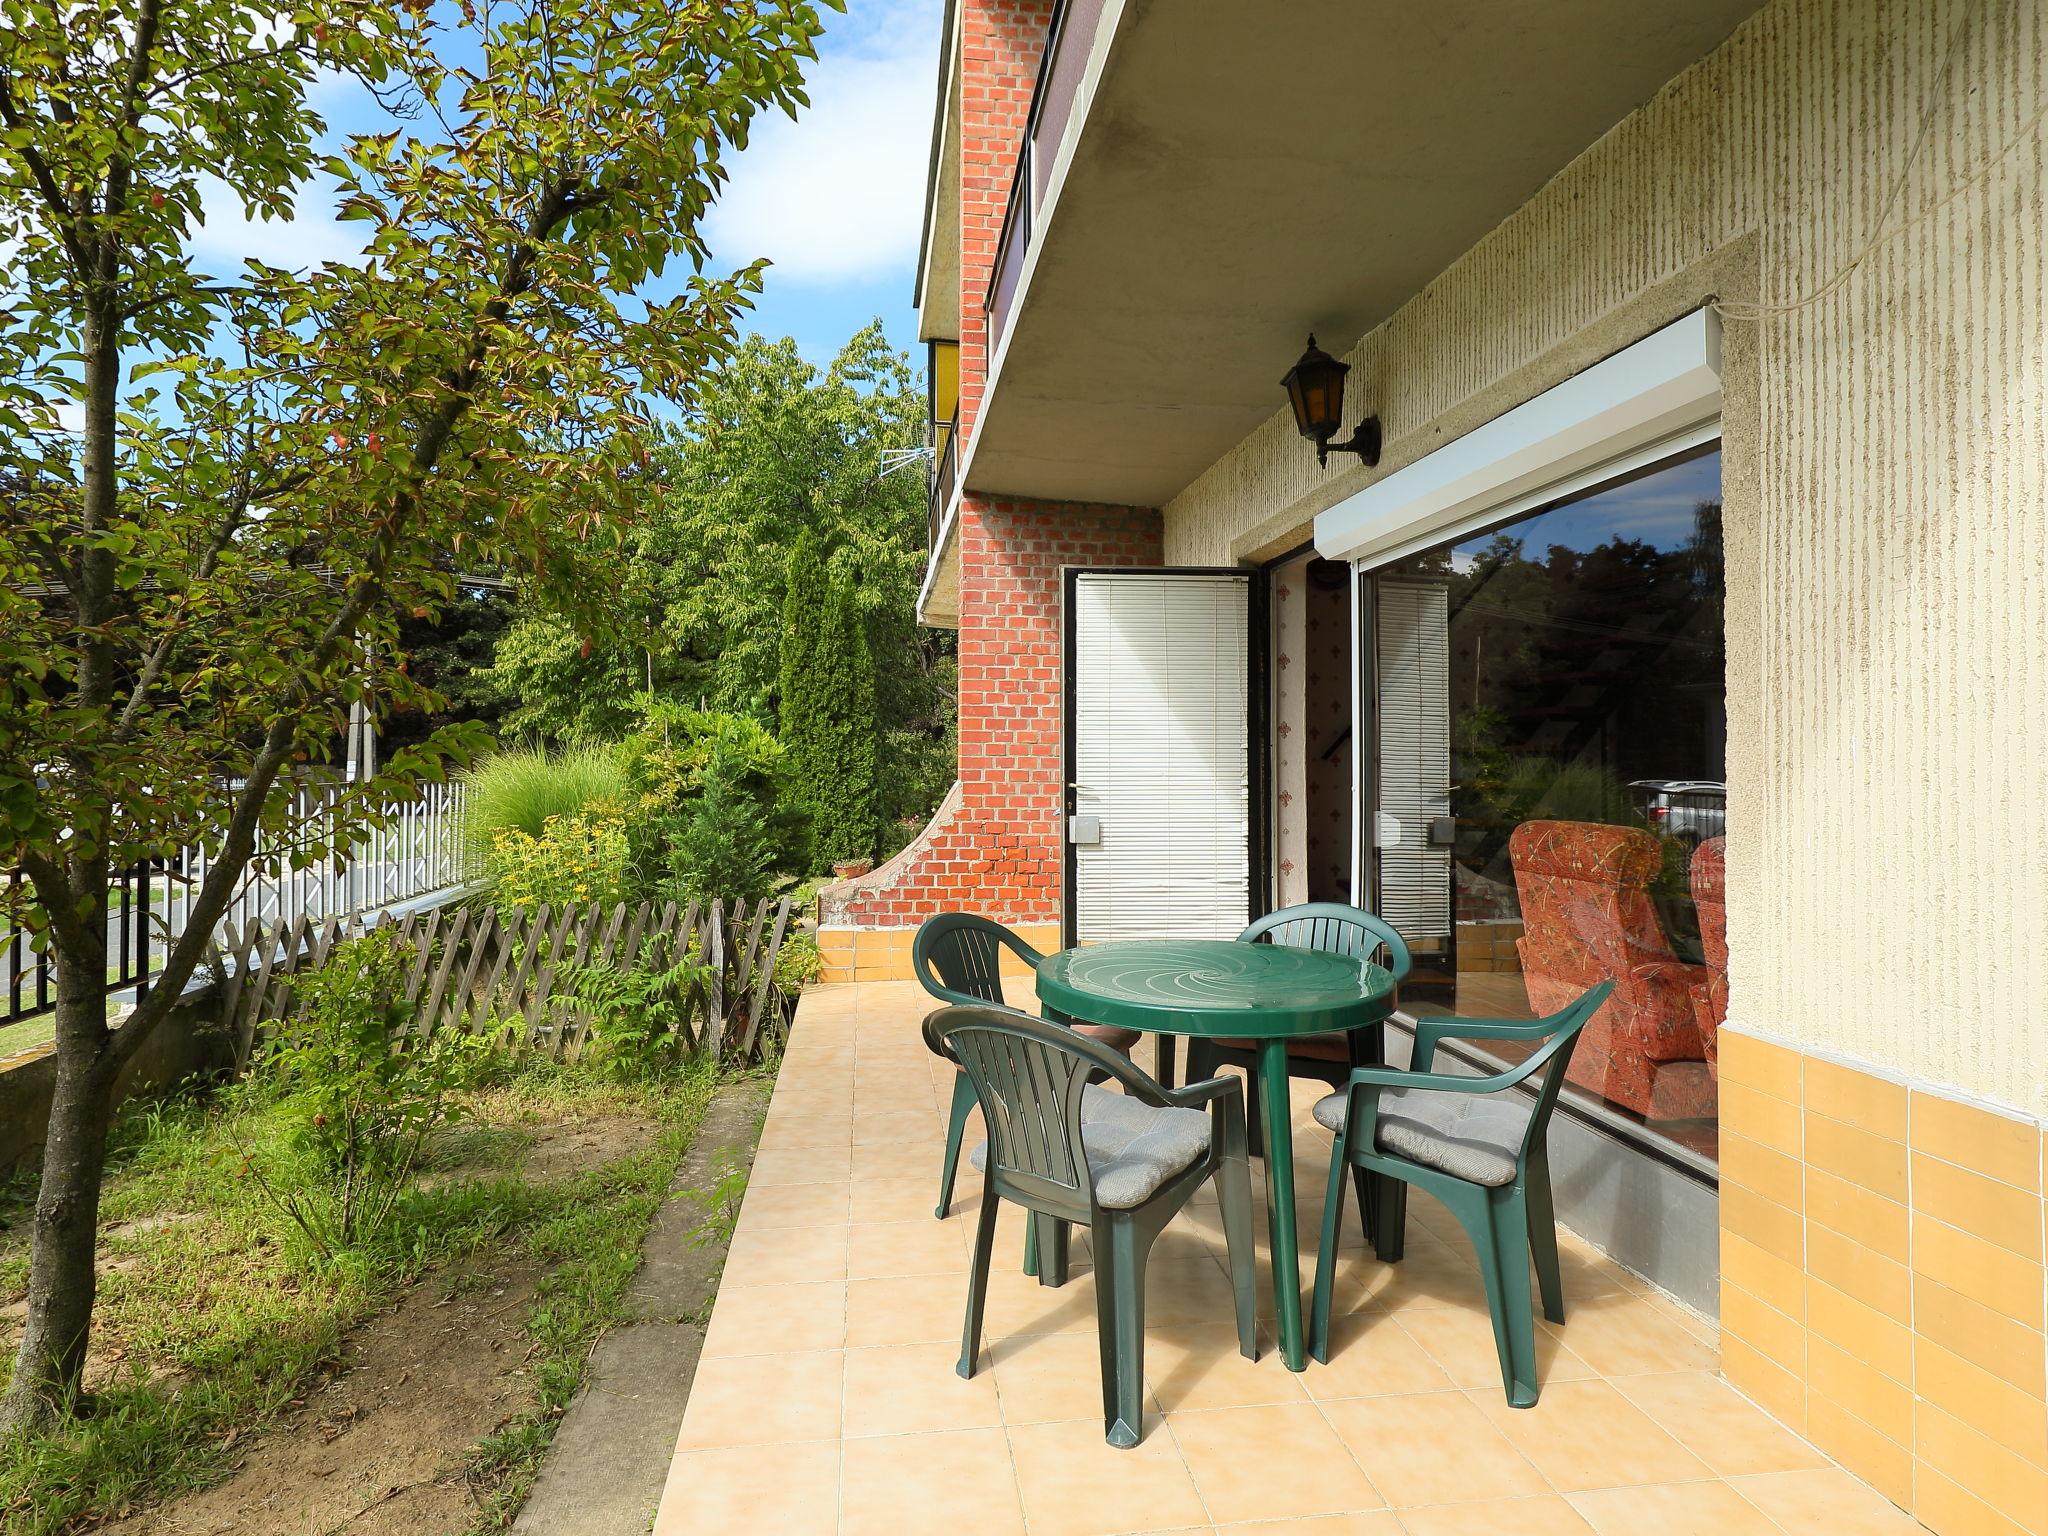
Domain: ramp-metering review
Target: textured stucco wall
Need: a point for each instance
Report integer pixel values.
(1887, 494)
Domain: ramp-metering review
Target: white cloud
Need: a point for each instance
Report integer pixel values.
(838, 195)
(228, 236)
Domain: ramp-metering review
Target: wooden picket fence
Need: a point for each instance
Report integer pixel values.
(476, 971)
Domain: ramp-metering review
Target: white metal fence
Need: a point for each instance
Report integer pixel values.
(418, 853)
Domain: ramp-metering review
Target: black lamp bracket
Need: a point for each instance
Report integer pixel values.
(1365, 442)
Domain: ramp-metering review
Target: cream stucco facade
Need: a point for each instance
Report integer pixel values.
(1886, 488)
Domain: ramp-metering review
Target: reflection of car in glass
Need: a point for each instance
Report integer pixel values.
(1691, 810)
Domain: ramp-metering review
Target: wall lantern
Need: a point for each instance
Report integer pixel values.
(1315, 388)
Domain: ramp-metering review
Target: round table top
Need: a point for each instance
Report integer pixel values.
(1219, 987)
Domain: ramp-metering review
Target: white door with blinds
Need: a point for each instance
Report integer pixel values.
(1413, 624)
(1159, 754)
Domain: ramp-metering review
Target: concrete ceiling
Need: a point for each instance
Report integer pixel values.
(1247, 173)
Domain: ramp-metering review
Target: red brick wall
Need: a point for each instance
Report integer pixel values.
(999, 852)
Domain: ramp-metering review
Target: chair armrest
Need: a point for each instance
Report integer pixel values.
(1431, 1032)
(1194, 1095)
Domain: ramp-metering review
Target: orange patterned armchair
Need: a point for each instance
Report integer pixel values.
(1587, 918)
(1710, 896)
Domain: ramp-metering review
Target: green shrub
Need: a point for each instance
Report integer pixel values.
(359, 1099)
(580, 857)
(828, 716)
(670, 762)
(636, 1012)
(720, 846)
(520, 788)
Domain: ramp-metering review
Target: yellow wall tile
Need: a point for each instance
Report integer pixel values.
(1880, 1283)
(1879, 1341)
(1758, 1064)
(1986, 1208)
(1779, 1283)
(1994, 1145)
(1987, 1339)
(1857, 1098)
(1772, 1227)
(1773, 1121)
(1756, 1167)
(1984, 1272)
(1994, 1474)
(1779, 1391)
(1883, 1403)
(1876, 1162)
(1883, 1463)
(2015, 1419)
(1881, 1225)
(1763, 1328)
(1948, 1510)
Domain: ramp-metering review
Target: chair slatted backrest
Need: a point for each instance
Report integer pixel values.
(957, 955)
(1334, 928)
(1029, 1076)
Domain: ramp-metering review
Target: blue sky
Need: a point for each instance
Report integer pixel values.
(835, 199)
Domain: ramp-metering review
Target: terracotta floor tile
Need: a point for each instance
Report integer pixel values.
(879, 1250)
(1378, 1523)
(779, 1165)
(794, 1205)
(1431, 1448)
(1018, 1304)
(1370, 1355)
(1673, 1509)
(1720, 1426)
(763, 1400)
(1278, 1462)
(1546, 1514)
(909, 1389)
(792, 1490)
(1187, 1291)
(907, 1309)
(1624, 1335)
(1195, 1366)
(1075, 1484)
(903, 1199)
(924, 1485)
(1047, 1376)
(1584, 1434)
(898, 1160)
(1460, 1340)
(777, 1319)
(1825, 1500)
(807, 1131)
(785, 1256)
(901, 1126)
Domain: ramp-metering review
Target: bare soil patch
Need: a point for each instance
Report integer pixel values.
(377, 1449)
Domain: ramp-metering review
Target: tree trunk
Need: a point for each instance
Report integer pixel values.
(51, 1362)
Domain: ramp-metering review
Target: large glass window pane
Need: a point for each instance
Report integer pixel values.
(1549, 778)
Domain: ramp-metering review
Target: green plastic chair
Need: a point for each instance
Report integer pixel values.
(1071, 1152)
(1335, 929)
(1475, 1147)
(957, 958)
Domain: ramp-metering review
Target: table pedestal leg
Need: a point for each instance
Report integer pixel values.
(1279, 1117)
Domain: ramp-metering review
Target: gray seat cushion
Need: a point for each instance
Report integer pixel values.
(1471, 1136)
(1132, 1148)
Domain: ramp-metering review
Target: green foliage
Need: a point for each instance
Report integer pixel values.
(360, 1101)
(216, 1324)
(828, 719)
(722, 847)
(520, 788)
(585, 856)
(670, 761)
(777, 453)
(637, 1012)
(797, 962)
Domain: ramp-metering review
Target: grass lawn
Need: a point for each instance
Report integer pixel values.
(217, 1320)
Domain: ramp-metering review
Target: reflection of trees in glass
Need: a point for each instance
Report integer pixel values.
(1575, 671)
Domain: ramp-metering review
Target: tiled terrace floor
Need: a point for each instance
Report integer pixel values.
(827, 1402)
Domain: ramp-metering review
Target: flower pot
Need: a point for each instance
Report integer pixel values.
(852, 869)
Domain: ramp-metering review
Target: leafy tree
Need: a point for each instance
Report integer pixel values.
(271, 472)
(777, 451)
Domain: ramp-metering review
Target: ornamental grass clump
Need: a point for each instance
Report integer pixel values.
(521, 788)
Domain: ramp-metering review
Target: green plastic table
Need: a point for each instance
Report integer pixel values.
(1264, 992)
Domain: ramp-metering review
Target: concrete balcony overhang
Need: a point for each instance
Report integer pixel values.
(1229, 178)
